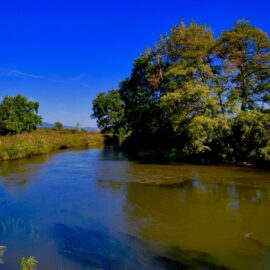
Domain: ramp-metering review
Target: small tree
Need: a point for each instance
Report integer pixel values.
(58, 125)
(18, 114)
(78, 126)
(108, 109)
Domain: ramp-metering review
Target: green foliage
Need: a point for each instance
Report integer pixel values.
(206, 134)
(58, 125)
(109, 111)
(252, 136)
(28, 264)
(45, 141)
(18, 114)
(24, 264)
(244, 54)
(194, 95)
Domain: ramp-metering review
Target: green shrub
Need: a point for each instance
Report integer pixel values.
(251, 136)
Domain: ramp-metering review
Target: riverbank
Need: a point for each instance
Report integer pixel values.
(176, 156)
(45, 141)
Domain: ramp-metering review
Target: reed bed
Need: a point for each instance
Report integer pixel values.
(44, 141)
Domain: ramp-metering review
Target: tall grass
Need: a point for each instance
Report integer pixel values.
(44, 141)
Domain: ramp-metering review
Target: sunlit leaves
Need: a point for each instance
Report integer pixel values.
(18, 114)
(200, 95)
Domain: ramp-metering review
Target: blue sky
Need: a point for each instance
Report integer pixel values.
(62, 53)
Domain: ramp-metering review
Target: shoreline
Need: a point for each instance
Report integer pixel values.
(46, 141)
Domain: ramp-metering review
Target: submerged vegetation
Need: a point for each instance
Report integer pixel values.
(100, 250)
(45, 141)
(195, 97)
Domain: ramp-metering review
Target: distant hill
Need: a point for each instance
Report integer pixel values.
(46, 125)
(91, 128)
(50, 125)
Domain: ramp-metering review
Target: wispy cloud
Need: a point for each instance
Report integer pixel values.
(15, 73)
(85, 85)
(21, 74)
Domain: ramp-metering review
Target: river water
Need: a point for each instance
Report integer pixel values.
(95, 209)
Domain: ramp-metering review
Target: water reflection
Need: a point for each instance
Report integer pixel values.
(204, 212)
(201, 218)
(19, 173)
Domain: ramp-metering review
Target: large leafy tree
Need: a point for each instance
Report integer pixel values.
(189, 75)
(170, 84)
(197, 95)
(244, 66)
(141, 98)
(18, 114)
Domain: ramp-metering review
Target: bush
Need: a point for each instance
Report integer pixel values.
(251, 136)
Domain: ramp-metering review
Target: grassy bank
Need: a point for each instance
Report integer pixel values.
(44, 141)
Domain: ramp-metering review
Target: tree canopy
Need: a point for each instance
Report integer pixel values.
(18, 114)
(109, 111)
(196, 95)
(58, 125)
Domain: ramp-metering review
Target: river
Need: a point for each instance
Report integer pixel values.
(95, 209)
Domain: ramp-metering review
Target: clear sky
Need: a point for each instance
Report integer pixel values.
(62, 53)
